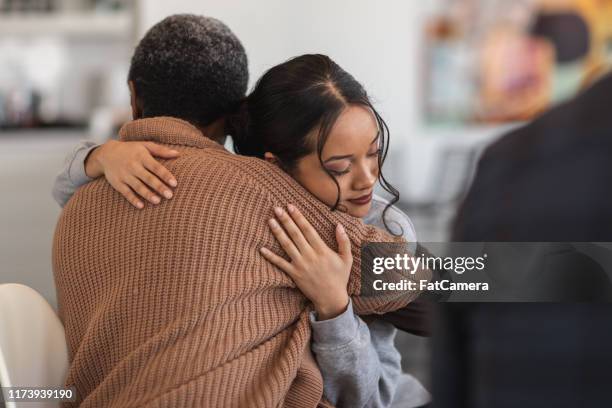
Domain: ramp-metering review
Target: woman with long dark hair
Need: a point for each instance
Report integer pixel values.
(315, 121)
(288, 117)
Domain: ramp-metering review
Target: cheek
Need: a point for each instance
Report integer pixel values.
(346, 190)
(375, 168)
(327, 191)
(319, 184)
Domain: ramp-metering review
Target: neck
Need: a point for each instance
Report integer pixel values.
(214, 131)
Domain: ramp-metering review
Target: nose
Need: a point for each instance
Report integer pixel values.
(365, 176)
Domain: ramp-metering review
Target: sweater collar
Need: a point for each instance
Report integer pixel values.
(166, 130)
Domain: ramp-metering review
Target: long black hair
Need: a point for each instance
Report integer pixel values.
(292, 99)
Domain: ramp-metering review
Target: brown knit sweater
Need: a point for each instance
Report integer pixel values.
(173, 306)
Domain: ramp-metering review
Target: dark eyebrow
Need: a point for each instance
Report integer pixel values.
(348, 156)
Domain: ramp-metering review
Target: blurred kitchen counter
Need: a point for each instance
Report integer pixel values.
(59, 134)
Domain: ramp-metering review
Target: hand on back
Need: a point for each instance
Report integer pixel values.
(318, 271)
(131, 169)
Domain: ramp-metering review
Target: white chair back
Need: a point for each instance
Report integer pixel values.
(33, 351)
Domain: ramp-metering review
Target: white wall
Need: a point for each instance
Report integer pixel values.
(378, 42)
(29, 161)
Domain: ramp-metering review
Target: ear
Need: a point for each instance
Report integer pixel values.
(271, 158)
(136, 108)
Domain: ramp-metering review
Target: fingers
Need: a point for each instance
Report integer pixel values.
(344, 243)
(142, 190)
(129, 195)
(155, 167)
(293, 230)
(153, 173)
(278, 261)
(312, 236)
(161, 151)
(284, 240)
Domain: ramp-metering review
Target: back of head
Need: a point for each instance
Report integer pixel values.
(189, 67)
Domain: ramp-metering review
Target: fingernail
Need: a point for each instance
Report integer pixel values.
(341, 229)
(139, 205)
(155, 199)
(174, 151)
(172, 182)
(168, 194)
(263, 250)
(278, 211)
(273, 223)
(291, 208)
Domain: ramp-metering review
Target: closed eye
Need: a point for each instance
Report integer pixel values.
(339, 172)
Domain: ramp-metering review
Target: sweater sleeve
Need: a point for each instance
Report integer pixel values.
(72, 176)
(359, 363)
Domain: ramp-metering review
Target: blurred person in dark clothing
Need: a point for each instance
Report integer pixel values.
(547, 181)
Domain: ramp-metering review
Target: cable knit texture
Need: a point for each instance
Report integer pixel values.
(173, 306)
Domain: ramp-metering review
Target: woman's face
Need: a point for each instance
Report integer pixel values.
(351, 155)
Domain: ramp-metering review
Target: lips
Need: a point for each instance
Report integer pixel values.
(362, 200)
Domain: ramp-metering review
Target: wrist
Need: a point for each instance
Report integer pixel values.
(332, 308)
(94, 167)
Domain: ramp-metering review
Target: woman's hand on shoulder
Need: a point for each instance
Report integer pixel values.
(131, 169)
(318, 271)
